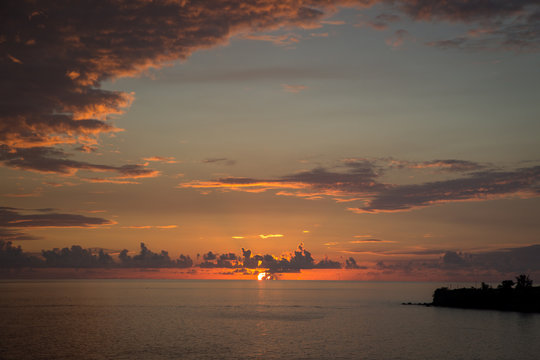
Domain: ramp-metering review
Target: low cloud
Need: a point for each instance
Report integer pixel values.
(14, 218)
(219, 161)
(398, 38)
(298, 260)
(278, 40)
(168, 160)
(86, 148)
(477, 186)
(350, 263)
(360, 180)
(370, 241)
(145, 227)
(149, 259)
(16, 235)
(262, 236)
(451, 165)
(293, 88)
(491, 264)
(380, 22)
(55, 161)
(440, 263)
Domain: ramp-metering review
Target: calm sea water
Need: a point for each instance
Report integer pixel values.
(192, 319)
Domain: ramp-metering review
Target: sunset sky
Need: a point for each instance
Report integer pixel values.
(403, 133)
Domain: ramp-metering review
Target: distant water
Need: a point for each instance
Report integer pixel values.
(192, 319)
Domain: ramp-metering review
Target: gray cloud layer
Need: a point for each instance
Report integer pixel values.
(51, 160)
(13, 218)
(360, 180)
(56, 54)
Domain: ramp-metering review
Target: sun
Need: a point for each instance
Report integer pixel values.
(261, 276)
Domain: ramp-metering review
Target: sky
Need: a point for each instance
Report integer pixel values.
(403, 134)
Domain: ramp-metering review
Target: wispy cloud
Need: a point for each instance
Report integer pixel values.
(221, 161)
(168, 160)
(16, 218)
(146, 227)
(398, 38)
(267, 236)
(51, 160)
(279, 40)
(371, 241)
(360, 180)
(380, 22)
(293, 88)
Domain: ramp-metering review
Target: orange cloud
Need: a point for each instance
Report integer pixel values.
(167, 226)
(168, 160)
(262, 236)
(360, 181)
(293, 88)
(280, 40)
(108, 181)
(146, 227)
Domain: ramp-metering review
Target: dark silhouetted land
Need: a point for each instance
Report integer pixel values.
(508, 296)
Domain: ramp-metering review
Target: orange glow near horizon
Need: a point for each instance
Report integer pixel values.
(249, 274)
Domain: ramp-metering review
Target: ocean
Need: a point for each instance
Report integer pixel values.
(244, 319)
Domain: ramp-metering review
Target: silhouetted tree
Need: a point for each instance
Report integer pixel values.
(523, 282)
(506, 285)
(13, 256)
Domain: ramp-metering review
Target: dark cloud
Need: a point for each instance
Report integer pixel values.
(519, 259)
(463, 10)
(477, 186)
(52, 160)
(227, 260)
(328, 264)
(489, 264)
(14, 235)
(492, 264)
(350, 263)
(359, 177)
(452, 258)
(213, 260)
(56, 55)
(149, 259)
(86, 148)
(223, 161)
(210, 256)
(504, 25)
(360, 180)
(517, 37)
(381, 21)
(300, 259)
(398, 38)
(13, 218)
(76, 257)
(450, 165)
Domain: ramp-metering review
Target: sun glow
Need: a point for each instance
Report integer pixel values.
(262, 276)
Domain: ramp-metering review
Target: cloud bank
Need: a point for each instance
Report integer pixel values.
(56, 55)
(361, 181)
(450, 264)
